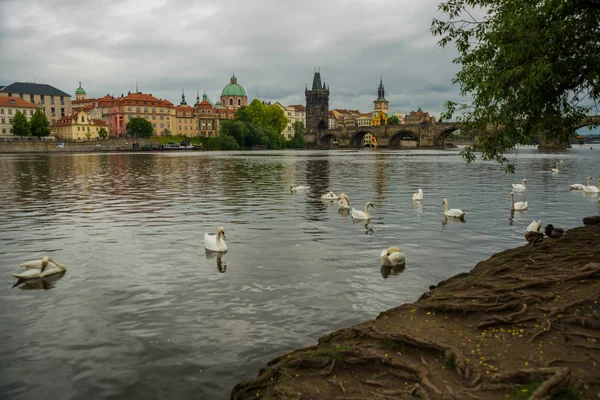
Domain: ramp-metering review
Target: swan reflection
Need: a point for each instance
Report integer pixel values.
(221, 265)
(447, 221)
(367, 225)
(45, 283)
(387, 271)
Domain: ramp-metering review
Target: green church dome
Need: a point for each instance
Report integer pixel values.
(79, 90)
(233, 89)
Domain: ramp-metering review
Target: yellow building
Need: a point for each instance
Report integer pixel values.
(53, 102)
(79, 126)
(369, 140)
(9, 106)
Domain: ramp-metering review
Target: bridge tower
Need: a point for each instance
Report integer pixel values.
(317, 108)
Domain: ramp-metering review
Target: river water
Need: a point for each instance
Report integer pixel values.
(143, 312)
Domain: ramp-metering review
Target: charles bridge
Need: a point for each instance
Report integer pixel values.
(424, 134)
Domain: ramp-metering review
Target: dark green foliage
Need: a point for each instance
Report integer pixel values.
(393, 120)
(20, 125)
(39, 124)
(235, 129)
(102, 133)
(228, 143)
(139, 127)
(530, 68)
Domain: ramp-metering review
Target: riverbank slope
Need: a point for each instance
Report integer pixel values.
(523, 324)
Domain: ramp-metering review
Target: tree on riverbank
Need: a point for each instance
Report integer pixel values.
(298, 142)
(20, 125)
(532, 69)
(102, 133)
(39, 124)
(139, 127)
(393, 120)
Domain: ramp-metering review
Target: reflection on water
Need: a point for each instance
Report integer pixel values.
(146, 315)
(45, 283)
(386, 272)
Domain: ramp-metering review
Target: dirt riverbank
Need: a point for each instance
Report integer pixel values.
(523, 324)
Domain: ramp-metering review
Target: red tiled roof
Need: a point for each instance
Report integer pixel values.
(84, 101)
(12, 101)
(70, 119)
(298, 107)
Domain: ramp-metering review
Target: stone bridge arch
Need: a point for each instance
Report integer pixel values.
(440, 138)
(403, 138)
(328, 140)
(356, 139)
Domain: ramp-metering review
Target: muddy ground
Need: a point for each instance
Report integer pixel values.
(523, 324)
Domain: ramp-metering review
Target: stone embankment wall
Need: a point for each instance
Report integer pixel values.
(55, 146)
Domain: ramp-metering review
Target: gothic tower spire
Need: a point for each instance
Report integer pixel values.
(183, 103)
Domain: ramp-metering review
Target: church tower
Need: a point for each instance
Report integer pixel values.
(381, 104)
(80, 93)
(317, 106)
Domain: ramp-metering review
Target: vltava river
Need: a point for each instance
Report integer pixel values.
(144, 313)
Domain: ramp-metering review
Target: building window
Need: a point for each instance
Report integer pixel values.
(138, 109)
(230, 102)
(162, 125)
(21, 95)
(82, 118)
(129, 108)
(1, 110)
(154, 125)
(62, 101)
(10, 111)
(154, 117)
(52, 110)
(239, 102)
(51, 99)
(42, 99)
(145, 109)
(153, 110)
(162, 117)
(78, 129)
(3, 121)
(162, 110)
(62, 112)
(3, 130)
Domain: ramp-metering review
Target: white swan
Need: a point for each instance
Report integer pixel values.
(357, 214)
(520, 186)
(535, 226)
(295, 188)
(214, 242)
(344, 202)
(555, 170)
(40, 269)
(592, 189)
(454, 213)
(418, 196)
(519, 205)
(579, 186)
(392, 257)
(330, 196)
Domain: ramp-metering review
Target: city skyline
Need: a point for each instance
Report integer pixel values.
(273, 48)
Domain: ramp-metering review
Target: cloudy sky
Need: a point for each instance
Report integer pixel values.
(272, 46)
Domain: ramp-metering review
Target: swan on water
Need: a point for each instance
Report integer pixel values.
(555, 170)
(519, 205)
(579, 186)
(295, 188)
(357, 214)
(520, 186)
(344, 202)
(214, 242)
(418, 196)
(330, 196)
(592, 189)
(40, 269)
(454, 213)
(535, 226)
(392, 257)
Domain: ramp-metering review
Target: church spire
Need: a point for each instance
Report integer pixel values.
(183, 103)
(381, 91)
(317, 80)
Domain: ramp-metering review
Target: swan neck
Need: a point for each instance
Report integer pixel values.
(446, 206)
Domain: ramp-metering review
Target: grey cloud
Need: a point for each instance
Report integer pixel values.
(271, 46)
